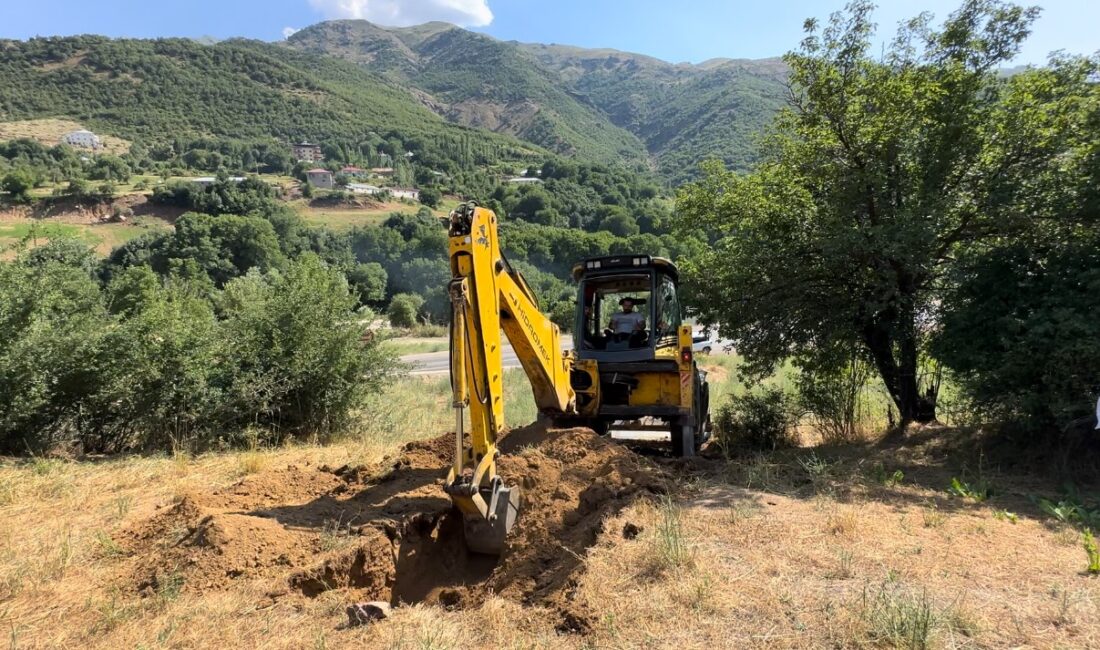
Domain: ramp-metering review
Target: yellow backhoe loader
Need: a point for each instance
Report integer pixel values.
(631, 361)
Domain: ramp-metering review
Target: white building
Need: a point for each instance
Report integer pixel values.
(207, 181)
(363, 188)
(405, 193)
(82, 138)
(524, 180)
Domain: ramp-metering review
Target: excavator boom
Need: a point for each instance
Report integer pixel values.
(488, 296)
(648, 372)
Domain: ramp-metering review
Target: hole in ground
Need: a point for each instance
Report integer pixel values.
(424, 560)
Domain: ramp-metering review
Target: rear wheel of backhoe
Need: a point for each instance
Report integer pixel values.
(683, 440)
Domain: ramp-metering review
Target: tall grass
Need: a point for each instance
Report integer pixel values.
(897, 618)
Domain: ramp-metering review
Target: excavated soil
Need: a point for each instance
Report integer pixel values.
(390, 533)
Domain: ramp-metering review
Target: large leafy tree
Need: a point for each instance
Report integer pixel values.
(879, 173)
(1019, 323)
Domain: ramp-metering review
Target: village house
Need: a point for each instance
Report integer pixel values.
(82, 138)
(353, 172)
(207, 181)
(524, 180)
(405, 193)
(320, 178)
(307, 152)
(363, 188)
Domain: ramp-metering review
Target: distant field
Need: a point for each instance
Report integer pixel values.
(50, 130)
(346, 218)
(103, 236)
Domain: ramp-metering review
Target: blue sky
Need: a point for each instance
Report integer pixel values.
(689, 30)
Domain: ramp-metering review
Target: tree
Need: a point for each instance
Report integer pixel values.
(110, 168)
(368, 281)
(17, 183)
(430, 197)
(621, 225)
(1022, 334)
(223, 247)
(403, 310)
(1019, 326)
(880, 171)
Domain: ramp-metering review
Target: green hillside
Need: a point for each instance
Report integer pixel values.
(478, 81)
(597, 104)
(683, 113)
(433, 88)
(168, 89)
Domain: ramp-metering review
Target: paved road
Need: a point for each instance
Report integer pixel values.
(438, 363)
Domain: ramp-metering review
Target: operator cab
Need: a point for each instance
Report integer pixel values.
(629, 308)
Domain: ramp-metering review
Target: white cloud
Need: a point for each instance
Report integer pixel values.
(400, 13)
(290, 31)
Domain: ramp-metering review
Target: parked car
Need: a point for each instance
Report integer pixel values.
(707, 341)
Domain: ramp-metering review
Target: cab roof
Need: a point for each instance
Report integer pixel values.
(613, 263)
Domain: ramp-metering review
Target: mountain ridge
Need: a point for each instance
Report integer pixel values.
(598, 103)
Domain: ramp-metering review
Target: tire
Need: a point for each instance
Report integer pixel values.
(706, 350)
(683, 440)
(601, 427)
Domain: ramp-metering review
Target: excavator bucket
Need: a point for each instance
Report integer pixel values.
(487, 535)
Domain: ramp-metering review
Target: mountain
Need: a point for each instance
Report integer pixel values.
(168, 89)
(477, 81)
(599, 104)
(430, 88)
(684, 113)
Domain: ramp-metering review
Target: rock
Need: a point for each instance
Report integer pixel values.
(364, 613)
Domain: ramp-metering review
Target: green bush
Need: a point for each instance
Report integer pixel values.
(760, 421)
(403, 310)
(17, 183)
(1022, 333)
(154, 363)
(430, 197)
(832, 395)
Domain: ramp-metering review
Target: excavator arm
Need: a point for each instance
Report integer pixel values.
(488, 296)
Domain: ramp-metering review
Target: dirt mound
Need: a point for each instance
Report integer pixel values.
(391, 534)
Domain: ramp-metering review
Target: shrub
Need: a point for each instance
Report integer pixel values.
(1022, 335)
(300, 370)
(155, 364)
(762, 420)
(403, 309)
(1092, 552)
(17, 183)
(430, 197)
(832, 397)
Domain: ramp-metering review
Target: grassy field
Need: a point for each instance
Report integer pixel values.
(411, 345)
(50, 131)
(339, 218)
(861, 545)
(103, 236)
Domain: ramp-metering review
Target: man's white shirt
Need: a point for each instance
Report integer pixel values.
(622, 323)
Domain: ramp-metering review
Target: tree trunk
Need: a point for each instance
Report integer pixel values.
(899, 374)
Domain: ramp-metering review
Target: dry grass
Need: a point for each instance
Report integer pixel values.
(801, 549)
(49, 132)
(344, 218)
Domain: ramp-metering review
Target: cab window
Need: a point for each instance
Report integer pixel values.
(604, 327)
(668, 308)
